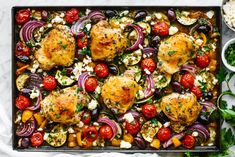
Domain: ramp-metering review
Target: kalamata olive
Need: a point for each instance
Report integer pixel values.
(162, 117)
(139, 142)
(44, 14)
(155, 41)
(23, 59)
(203, 118)
(95, 114)
(207, 95)
(158, 93)
(49, 127)
(204, 29)
(113, 69)
(69, 71)
(24, 142)
(171, 14)
(79, 56)
(176, 87)
(110, 13)
(140, 15)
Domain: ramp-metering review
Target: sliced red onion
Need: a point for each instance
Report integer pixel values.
(27, 129)
(111, 123)
(96, 15)
(81, 80)
(77, 28)
(26, 32)
(133, 113)
(193, 29)
(150, 86)
(25, 90)
(144, 100)
(38, 103)
(203, 132)
(149, 50)
(35, 81)
(140, 38)
(169, 142)
(189, 68)
(139, 142)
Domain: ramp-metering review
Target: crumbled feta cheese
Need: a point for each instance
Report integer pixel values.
(92, 105)
(140, 46)
(125, 144)
(128, 117)
(62, 15)
(215, 81)
(18, 118)
(80, 124)
(49, 25)
(40, 129)
(34, 93)
(167, 124)
(140, 94)
(98, 90)
(88, 11)
(89, 69)
(195, 134)
(70, 130)
(158, 15)
(124, 13)
(148, 18)
(57, 19)
(39, 70)
(45, 137)
(229, 12)
(197, 81)
(35, 66)
(41, 29)
(148, 139)
(210, 14)
(199, 42)
(147, 71)
(173, 30)
(96, 124)
(94, 143)
(88, 26)
(77, 70)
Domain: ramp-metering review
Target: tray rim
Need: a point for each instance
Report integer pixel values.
(200, 149)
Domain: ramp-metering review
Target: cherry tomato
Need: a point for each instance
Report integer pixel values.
(203, 61)
(187, 80)
(149, 111)
(161, 28)
(91, 84)
(49, 82)
(101, 70)
(149, 64)
(90, 133)
(71, 15)
(164, 134)
(133, 127)
(36, 139)
(82, 42)
(106, 132)
(22, 16)
(188, 141)
(86, 117)
(22, 49)
(22, 102)
(197, 91)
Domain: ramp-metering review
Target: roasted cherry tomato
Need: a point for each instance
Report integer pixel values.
(90, 133)
(22, 49)
(82, 41)
(188, 141)
(36, 139)
(22, 102)
(71, 15)
(22, 16)
(164, 134)
(49, 82)
(149, 111)
(161, 28)
(203, 61)
(187, 80)
(91, 84)
(133, 127)
(149, 64)
(101, 70)
(197, 91)
(86, 117)
(106, 132)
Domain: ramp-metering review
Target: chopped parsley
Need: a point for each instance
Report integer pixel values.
(63, 72)
(86, 51)
(58, 116)
(154, 121)
(170, 53)
(78, 108)
(230, 54)
(206, 48)
(203, 86)
(78, 90)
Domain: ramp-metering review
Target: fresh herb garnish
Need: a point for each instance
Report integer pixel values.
(230, 54)
(86, 51)
(78, 108)
(206, 48)
(154, 121)
(221, 75)
(170, 53)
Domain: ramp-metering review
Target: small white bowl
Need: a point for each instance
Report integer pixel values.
(227, 65)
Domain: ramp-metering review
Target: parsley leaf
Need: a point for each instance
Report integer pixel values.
(86, 51)
(78, 108)
(170, 53)
(221, 75)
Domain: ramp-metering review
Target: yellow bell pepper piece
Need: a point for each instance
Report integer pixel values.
(27, 114)
(176, 142)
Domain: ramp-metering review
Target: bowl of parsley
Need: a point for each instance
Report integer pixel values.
(228, 55)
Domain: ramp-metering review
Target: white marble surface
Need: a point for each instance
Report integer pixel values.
(5, 62)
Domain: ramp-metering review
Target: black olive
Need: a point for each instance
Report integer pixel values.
(155, 41)
(24, 142)
(95, 114)
(158, 93)
(207, 95)
(110, 13)
(49, 126)
(23, 59)
(140, 15)
(171, 14)
(204, 29)
(176, 86)
(44, 14)
(203, 118)
(162, 117)
(113, 69)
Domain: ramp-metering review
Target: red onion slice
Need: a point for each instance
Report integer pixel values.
(189, 68)
(96, 15)
(169, 142)
(150, 86)
(81, 80)
(77, 28)
(134, 114)
(140, 38)
(37, 105)
(203, 132)
(149, 50)
(111, 123)
(27, 129)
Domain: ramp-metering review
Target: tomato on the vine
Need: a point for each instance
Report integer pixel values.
(90, 133)
(187, 80)
(164, 134)
(91, 84)
(36, 139)
(148, 64)
(203, 61)
(161, 28)
(133, 127)
(86, 117)
(82, 41)
(106, 132)
(101, 70)
(188, 141)
(197, 91)
(71, 15)
(49, 82)
(22, 102)
(22, 16)
(149, 110)
(22, 49)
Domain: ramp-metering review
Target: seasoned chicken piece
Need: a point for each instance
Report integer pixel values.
(57, 48)
(181, 109)
(64, 106)
(119, 92)
(106, 41)
(174, 52)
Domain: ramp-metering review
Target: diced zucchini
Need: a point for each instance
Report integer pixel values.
(21, 80)
(184, 19)
(146, 27)
(132, 58)
(150, 129)
(126, 20)
(161, 80)
(63, 79)
(137, 71)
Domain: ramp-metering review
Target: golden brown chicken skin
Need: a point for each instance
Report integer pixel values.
(57, 48)
(118, 93)
(64, 106)
(174, 52)
(106, 41)
(181, 109)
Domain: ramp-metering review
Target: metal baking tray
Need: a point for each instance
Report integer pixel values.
(198, 149)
